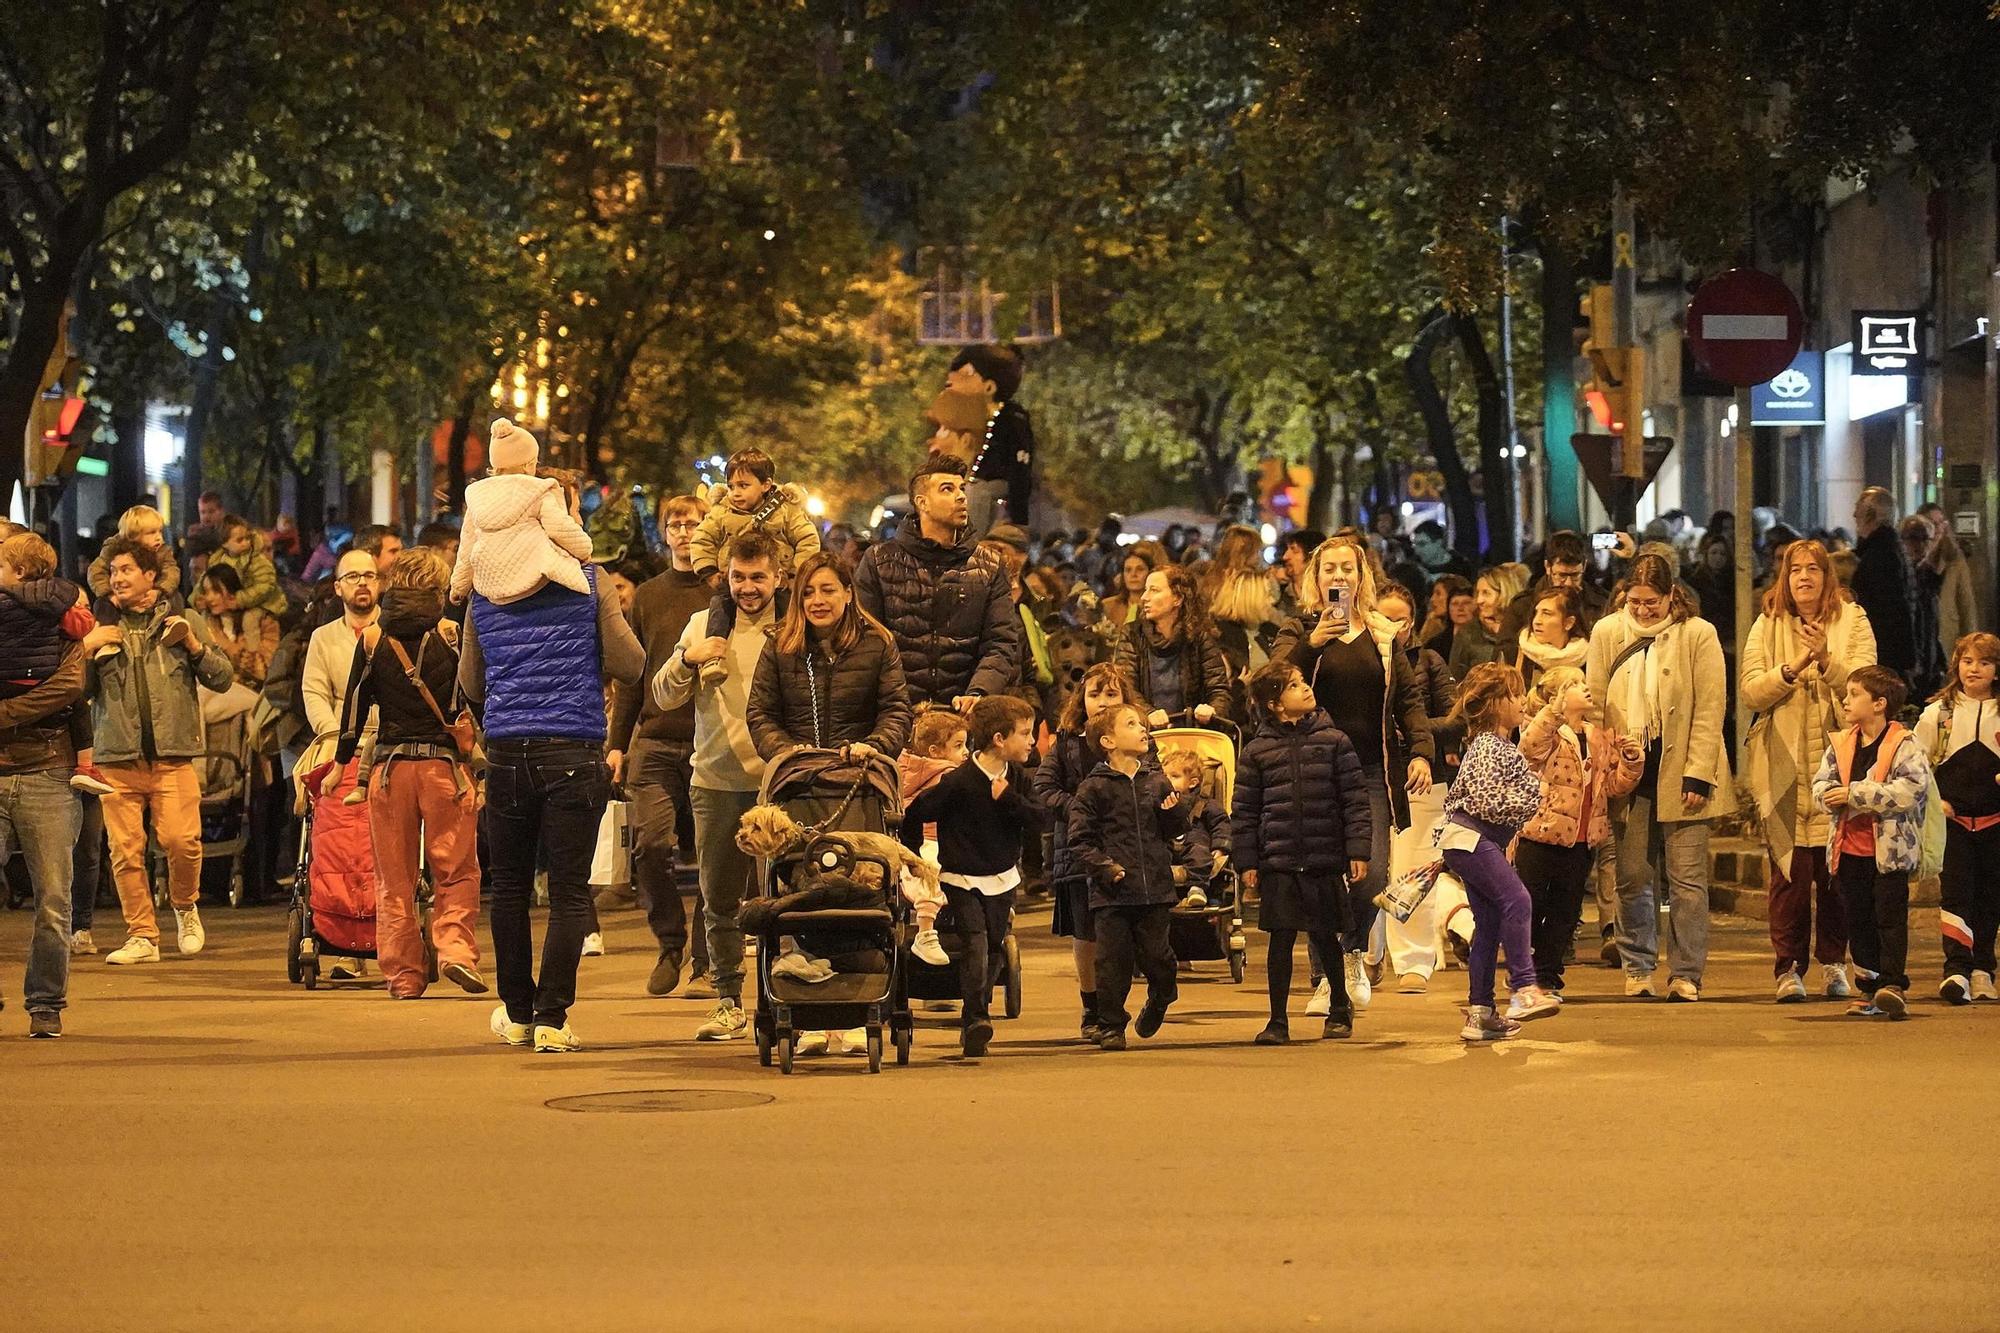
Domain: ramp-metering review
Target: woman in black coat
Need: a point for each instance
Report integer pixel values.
(1172, 651)
(830, 678)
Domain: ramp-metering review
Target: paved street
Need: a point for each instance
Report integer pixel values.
(213, 1149)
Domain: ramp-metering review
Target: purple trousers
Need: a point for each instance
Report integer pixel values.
(1501, 915)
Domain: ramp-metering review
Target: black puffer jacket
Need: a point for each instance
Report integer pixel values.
(1116, 825)
(826, 702)
(1205, 674)
(378, 681)
(1301, 802)
(31, 615)
(951, 610)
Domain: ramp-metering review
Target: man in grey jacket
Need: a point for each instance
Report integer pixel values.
(142, 682)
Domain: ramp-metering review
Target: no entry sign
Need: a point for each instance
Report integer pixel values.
(1745, 327)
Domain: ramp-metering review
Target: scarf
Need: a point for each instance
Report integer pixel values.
(1636, 682)
(1547, 658)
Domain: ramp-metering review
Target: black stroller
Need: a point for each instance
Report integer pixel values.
(861, 934)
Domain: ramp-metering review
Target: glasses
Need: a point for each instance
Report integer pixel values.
(359, 578)
(683, 525)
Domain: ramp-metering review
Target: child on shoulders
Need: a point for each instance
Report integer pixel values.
(519, 535)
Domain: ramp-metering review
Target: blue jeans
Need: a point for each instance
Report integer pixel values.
(38, 813)
(543, 796)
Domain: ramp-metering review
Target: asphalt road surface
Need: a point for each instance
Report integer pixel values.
(213, 1149)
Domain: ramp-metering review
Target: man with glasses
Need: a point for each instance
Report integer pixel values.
(651, 751)
(1563, 557)
(322, 686)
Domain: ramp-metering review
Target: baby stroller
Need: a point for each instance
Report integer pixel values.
(845, 908)
(1213, 933)
(333, 894)
(224, 770)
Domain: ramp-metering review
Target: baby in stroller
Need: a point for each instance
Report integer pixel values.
(1201, 853)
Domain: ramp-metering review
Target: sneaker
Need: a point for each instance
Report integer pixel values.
(44, 1023)
(926, 948)
(1413, 983)
(976, 1035)
(1322, 1000)
(556, 1041)
(713, 673)
(87, 778)
(1838, 987)
(1150, 1019)
(81, 945)
(1791, 988)
(1339, 1027)
(1378, 973)
(1638, 987)
(593, 944)
(1093, 1031)
(810, 1043)
(507, 1030)
(1358, 987)
(800, 967)
(464, 976)
(1483, 1024)
(1682, 991)
(1890, 1001)
(1982, 985)
(138, 949)
(1274, 1034)
(346, 969)
(700, 986)
(1195, 898)
(1955, 990)
(1863, 1008)
(729, 1022)
(666, 974)
(192, 936)
(1112, 1040)
(1531, 1002)
(854, 1041)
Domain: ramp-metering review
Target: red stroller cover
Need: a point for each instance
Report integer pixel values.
(342, 886)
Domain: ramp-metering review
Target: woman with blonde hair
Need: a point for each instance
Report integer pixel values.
(1653, 669)
(1242, 600)
(1347, 652)
(1480, 641)
(1801, 649)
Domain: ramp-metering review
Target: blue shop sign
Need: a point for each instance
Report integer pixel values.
(1795, 397)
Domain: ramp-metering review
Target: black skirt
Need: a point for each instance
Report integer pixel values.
(1072, 915)
(1311, 903)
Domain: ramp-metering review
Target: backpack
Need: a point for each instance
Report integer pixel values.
(1930, 856)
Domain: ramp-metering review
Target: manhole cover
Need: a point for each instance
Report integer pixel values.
(656, 1100)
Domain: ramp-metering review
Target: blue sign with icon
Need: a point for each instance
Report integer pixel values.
(1794, 397)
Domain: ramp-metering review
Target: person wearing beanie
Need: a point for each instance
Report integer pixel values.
(519, 535)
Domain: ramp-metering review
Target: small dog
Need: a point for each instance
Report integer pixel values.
(767, 832)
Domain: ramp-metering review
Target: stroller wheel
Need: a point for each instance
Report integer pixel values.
(903, 1038)
(237, 896)
(295, 934)
(310, 968)
(875, 1050)
(1011, 950)
(763, 1048)
(1236, 966)
(785, 1053)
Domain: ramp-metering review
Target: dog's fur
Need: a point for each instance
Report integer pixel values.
(767, 831)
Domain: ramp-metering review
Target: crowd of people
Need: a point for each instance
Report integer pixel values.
(1433, 761)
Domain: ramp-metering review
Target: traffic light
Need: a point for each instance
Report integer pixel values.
(1616, 391)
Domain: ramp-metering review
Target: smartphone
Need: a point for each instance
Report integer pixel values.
(1337, 601)
(1603, 541)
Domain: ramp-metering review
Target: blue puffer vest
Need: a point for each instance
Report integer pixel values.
(544, 664)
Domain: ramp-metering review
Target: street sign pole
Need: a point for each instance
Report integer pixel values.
(1630, 453)
(1746, 479)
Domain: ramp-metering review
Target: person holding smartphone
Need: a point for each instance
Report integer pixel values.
(1347, 653)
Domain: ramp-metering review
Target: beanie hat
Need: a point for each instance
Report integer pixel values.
(511, 447)
(1010, 534)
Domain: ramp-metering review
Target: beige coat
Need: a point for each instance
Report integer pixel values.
(1791, 723)
(1689, 708)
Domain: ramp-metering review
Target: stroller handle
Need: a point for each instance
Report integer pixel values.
(1218, 723)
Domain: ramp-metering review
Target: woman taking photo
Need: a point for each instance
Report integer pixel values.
(1810, 636)
(1654, 667)
(1347, 652)
(1172, 653)
(1478, 641)
(830, 678)
(1553, 636)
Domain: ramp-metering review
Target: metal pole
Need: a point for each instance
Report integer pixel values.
(1746, 460)
(1507, 371)
(1625, 331)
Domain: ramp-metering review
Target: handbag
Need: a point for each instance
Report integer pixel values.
(463, 730)
(611, 861)
(1406, 893)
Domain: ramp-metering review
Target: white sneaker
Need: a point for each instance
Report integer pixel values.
(728, 1023)
(926, 948)
(347, 969)
(1791, 988)
(593, 947)
(810, 1043)
(1322, 1001)
(1683, 991)
(801, 967)
(138, 949)
(1638, 987)
(1982, 986)
(854, 1041)
(1955, 989)
(556, 1041)
(81, 945)
(1358, 989)
(192, 936)
(1195, 899)
(1838, 987)
(1482, 1024)
(1531, 1002)
(514, 1034)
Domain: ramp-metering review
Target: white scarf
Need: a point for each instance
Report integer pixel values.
(1547, 658)
(1636, 683)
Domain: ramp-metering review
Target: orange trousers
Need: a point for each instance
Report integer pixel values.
(415, 805)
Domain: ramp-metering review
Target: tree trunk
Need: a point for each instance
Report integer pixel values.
(1458, 498)
(454, 448)
(201, 408)
(128, 454)
(1503, 537)
(1320, 506)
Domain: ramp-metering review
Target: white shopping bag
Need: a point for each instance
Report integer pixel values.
(611, 863)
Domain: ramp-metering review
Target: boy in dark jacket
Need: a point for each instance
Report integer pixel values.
(981, 809)
(1202, 850)
(1122, 827)
(40, 616)
(1299, 820)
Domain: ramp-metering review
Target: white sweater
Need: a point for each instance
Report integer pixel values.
(518, 538)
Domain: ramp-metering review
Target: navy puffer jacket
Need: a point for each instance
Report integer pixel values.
(951, 610)
(31, 639)
(1301, 802)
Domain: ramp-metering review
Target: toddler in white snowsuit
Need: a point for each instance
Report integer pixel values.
(518, 536)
